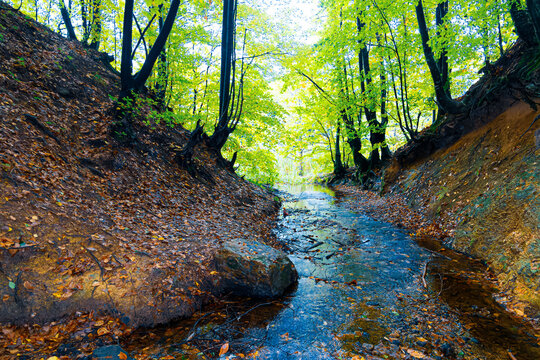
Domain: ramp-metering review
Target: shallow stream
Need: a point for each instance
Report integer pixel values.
(366, 289)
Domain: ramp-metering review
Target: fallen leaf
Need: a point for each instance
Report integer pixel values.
(102, 331)
(224, 349)
(122, 356)
(28, 285)
(416, 354)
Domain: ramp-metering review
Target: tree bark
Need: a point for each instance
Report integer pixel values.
(67, 20)
(155, 51)
(162, 75)
(523, 23)
(136, 82)
(339, 170)
(533, 7)
(95, 34)
(440, 13)
(126, 67)
(222, 130)
(448, 104)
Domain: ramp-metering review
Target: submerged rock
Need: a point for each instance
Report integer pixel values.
(110, 352)
(250, 268)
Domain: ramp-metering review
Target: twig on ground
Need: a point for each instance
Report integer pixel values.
(102, 270)
(511, 355)
(314, 246)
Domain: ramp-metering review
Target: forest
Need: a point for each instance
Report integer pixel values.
(278, 179)
(345, 86)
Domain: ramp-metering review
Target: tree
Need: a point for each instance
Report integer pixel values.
(91, 22)
(67, 20)
(229, 109)
(444, 99)
(526, 19)
(130, 82)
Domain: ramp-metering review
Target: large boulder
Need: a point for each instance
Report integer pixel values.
(249, 268)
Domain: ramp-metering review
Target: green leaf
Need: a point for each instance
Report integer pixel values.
(11, 285)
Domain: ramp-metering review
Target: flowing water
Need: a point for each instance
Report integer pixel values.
(365, 289)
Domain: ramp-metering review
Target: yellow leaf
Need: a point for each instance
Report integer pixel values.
(213, 272)
(103, 331)
(224, 349)
(416, 354)
(122, 356)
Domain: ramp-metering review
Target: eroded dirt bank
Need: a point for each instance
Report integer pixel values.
(484, 190)
(89, 227)
(476, 175)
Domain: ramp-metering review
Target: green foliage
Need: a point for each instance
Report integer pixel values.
(289, 122)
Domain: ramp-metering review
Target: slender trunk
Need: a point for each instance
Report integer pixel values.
(126, 67)
(162, 75)
(84, 18)
(67, 20)
(385, 150)
(223, 130)
(440, 12)
(533, 6)
(155, 51)
(445, 101)
(339, 170)
(523, 23)
(501, 48)
(226, 58)
(95, 32)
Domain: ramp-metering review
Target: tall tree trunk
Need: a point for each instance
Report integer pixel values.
(162, 75)
(448, 104)
(126, 66)
(96, 27)
(339, 170)
(523, 22)
(67, 20)
(85, 21)
(222, 130)
(159, 45)
(533, 6)
(385, 150)
(353, 138)
(128, 81)
(371, 116)
(500, 37)
(440, 13)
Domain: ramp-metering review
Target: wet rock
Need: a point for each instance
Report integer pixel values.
(65, 92)
(254, 269)
(110, 352)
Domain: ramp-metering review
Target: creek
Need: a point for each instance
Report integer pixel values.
(367, 289)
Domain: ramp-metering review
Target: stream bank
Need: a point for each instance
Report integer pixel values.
(365, 289)
(485, 190)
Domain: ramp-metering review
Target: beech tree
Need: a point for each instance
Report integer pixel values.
(91, 22)
(231, 101)
(136, 82)
(439, 72)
